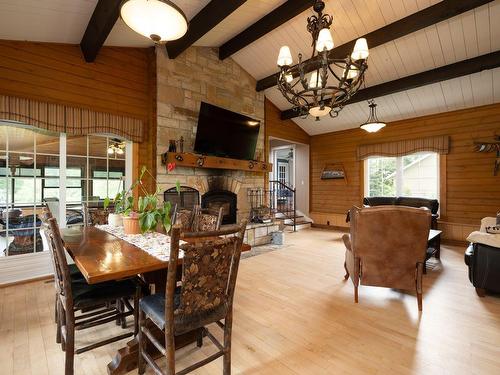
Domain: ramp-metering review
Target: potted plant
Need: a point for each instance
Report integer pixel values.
(154, 216)
(124, 213)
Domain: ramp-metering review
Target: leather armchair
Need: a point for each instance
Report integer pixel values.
(386, 247)
(484, 267)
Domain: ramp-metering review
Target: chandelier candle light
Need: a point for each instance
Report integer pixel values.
(159, 20)
(315, 95)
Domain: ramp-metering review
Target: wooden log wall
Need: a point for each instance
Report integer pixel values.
(120, 81)
(469, 190)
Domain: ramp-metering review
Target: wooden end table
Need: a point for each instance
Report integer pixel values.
(433, 246)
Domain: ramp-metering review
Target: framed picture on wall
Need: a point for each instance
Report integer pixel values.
(333, 172)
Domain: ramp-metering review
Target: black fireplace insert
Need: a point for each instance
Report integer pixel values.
(221, 198)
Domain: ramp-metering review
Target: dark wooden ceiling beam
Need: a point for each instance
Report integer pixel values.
(269, 22)
(101, 23)
(206, 19)
(427, 17)
(459, 69)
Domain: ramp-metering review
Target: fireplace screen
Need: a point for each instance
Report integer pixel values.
(187, 199)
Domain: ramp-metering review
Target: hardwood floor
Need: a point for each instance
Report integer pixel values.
(294, 314)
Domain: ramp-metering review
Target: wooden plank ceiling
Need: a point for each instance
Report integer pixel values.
(471, 34)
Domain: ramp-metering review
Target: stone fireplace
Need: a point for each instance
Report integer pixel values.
(183, 83)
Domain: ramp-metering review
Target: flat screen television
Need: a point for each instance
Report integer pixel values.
(226, 134)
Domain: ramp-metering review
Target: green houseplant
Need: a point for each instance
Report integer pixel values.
(152, 214)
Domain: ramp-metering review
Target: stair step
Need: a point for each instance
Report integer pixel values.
(301, 222)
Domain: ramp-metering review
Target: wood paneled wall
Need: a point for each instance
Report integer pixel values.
(469, 190)
(120, 81)
(282, 129)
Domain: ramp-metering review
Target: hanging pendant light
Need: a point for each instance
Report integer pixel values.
(158, 20)
(372, 125)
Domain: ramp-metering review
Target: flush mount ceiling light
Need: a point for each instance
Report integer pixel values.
(158, 20)
(333, 81)
(372, 125)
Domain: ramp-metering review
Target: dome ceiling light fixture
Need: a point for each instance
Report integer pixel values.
(373, 124)
(159, 20)
(316, 96)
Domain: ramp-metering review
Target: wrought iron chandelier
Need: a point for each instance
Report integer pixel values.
(317, 95)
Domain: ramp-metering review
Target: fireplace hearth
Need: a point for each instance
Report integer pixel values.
(215, 199)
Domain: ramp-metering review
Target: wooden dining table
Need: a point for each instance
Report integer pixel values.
(101, 256)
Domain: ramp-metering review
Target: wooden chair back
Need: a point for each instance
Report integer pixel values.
(207, 219)
(186, 218)
(210, 268)
(62, 276)
(94, 216)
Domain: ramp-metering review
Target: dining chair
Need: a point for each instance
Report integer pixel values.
(94, 216)
(205, 296)
(186, 218)
(207, 219)
(74, 295)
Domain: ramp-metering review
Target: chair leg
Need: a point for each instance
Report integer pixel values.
(122, 310)
(199, 340)
(137, 297)
(418, 284)
(70, 345)
(355, 294)
(228, 324)
(62, 323)
(141, 365)
(480, 292)
(419, 301)
(58, 321)
(56, 317)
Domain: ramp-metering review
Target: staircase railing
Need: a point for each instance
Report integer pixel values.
(283, 200)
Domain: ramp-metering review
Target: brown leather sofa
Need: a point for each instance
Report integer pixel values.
(386, 247)
(431, 204)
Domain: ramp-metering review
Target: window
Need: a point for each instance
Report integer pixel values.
(30, 174)
(415, 175)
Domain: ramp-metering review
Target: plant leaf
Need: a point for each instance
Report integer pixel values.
(178, 187)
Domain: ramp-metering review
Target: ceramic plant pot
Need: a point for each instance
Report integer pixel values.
(115, 220)
(131, 225)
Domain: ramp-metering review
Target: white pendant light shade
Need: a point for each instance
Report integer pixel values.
(319, 112)
(360, 51)
(325, 40)
(373, 127)
(315, 80)
(373, 124)
(289, 78)
(285, 56)
(159, 20)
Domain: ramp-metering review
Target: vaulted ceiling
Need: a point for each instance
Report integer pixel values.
(468, 35)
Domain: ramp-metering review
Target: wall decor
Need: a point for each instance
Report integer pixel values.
(334, 171)
(490, 145)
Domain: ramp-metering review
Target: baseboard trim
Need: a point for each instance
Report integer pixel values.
(330, 227)
(20, 282)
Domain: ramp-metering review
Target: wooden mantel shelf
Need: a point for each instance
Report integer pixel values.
(188, 159)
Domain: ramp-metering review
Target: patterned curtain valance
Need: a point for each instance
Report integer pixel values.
(70, 120)
(440, 144)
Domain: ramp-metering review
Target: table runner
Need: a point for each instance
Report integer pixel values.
(154, 243)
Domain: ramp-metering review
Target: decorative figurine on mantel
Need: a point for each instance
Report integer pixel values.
(181, 144)
(172, 146)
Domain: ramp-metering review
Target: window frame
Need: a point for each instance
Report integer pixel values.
(399, 173)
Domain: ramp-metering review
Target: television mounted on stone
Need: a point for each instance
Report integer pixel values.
(224, 133)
